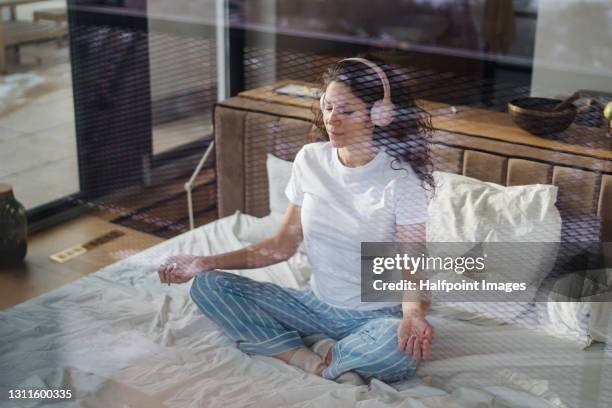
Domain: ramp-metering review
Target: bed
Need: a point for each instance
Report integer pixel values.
(118, 338)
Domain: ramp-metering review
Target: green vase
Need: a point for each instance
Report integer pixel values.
(13, 228)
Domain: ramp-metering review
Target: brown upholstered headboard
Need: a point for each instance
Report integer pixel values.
(245, 130)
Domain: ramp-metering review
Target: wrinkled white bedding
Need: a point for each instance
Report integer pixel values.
(118, 338)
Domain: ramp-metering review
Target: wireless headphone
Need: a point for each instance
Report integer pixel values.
(383, 110)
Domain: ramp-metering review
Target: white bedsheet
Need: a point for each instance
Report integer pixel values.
(118, 338)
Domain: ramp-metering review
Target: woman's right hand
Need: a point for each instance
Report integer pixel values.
(181, 268)
(414, 337)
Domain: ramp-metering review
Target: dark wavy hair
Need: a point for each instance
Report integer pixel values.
(407, 137)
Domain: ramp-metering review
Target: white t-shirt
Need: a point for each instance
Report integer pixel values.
(344, 206)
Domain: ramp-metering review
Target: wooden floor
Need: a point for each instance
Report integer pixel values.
(39, 274)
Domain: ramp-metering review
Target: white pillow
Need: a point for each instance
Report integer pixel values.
(464, 209)
(469, 211)
(279, 173)
(579, 308)
(260, 228)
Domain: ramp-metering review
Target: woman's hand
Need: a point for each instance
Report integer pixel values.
(414, 337)
(180, 268)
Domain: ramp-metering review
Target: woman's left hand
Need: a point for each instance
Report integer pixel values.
(414, 337)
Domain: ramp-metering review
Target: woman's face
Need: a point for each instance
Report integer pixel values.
(345, 116)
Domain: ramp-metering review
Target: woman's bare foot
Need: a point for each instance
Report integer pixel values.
(304, 358)
(286, 356)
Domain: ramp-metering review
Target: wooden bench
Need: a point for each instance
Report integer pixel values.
(57, 15)
(16, 33)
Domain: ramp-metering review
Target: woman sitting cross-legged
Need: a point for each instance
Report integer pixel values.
(365, 182)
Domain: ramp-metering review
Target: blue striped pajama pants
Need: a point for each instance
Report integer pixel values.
(267, 319)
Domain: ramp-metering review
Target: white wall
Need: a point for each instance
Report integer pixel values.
(573, 47)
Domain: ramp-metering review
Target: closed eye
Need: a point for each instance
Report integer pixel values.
(340, 110)
(326, 105)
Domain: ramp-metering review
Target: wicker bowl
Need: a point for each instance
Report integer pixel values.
(535, 115)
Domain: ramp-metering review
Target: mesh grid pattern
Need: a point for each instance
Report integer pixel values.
(129, 81)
